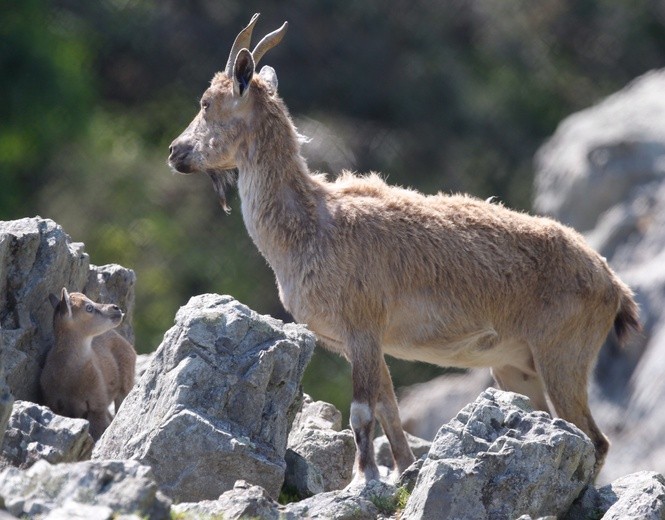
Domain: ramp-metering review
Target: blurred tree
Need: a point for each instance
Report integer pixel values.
(46, 88)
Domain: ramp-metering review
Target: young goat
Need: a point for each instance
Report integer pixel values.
(90, 366)
(375, 269)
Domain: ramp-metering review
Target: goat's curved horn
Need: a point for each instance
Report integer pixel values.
(268, 42)
(243, 40)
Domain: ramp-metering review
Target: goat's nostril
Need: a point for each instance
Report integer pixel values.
(180, 156)
(179, 150)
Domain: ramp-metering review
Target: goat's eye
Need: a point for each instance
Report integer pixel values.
(89, 308)
(205, 104)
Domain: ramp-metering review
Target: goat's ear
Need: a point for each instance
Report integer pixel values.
(269, 75)
(54, 300)
(243, 72)
(65, 303)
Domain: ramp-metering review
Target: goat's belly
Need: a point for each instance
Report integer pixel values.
(481, 348)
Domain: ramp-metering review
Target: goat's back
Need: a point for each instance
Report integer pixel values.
(474, 249)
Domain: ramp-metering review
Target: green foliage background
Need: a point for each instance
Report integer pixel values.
(442, 96)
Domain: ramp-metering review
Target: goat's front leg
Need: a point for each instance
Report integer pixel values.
(366, 359)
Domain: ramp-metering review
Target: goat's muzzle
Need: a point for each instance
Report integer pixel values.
(115, 314)
(180, 157)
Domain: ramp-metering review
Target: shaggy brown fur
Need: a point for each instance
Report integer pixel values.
(90, 366)
(376, 269)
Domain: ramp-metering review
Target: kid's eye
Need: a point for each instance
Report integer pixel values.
(89, 308)
(205, 104)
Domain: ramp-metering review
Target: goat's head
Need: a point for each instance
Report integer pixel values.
(212, 140)
(78, 314)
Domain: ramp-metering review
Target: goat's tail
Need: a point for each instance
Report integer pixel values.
(627, 320)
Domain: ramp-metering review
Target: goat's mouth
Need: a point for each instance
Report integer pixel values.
(116, 319)
(181, 167)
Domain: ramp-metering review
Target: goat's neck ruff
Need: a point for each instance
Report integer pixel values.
(278, 195)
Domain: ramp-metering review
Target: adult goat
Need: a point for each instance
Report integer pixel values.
(376, 269)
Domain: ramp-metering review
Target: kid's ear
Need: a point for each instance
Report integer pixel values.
(243, 72)
(269, 75)
(65, 302)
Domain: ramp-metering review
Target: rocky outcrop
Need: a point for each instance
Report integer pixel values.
(496, 459)
(100, 489)
(500, 459)
(241, 502)
(38, 258)
(216, 402)
(35, 433)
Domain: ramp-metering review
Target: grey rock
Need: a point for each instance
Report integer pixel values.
(35, 433)
(244, 501)
(38, 258)
(125, 487)
(142, 363)
(113, 283)
(329, 452)
(72, 510)
(316, 415)
(376, 500)
(500, 459)
(528, 517)
(216, 402)
(588, 505)
(637, 496)
(6, 401)
(599, 155)
(302, 477)
(409, 476)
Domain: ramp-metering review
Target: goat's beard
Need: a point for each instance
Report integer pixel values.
(222, 180)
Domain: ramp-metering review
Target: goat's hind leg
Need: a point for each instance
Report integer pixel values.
(388, 414)
(568, 394)
(566, 381)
